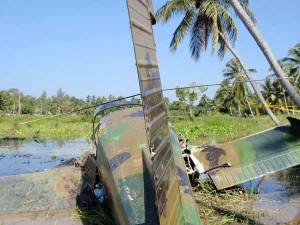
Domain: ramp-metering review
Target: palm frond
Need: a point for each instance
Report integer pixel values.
(182, 30)
(250, 13)
(222, 49)
(209, 9)
(199, 35)
(171, 9)
(227, 23)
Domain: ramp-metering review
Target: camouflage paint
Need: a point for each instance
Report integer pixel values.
(130, 187)
(189, 206)
(253, 156)
(48, 197)
(160, 149)
(120, 163)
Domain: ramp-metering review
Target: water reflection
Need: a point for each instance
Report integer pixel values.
(27, 156)
(278, 198)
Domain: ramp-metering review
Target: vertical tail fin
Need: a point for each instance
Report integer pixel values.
(156, 121)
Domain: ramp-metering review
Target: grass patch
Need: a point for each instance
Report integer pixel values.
(94, 216)
(232, 206)
(206, 130)
(59, 128)
(202, 130)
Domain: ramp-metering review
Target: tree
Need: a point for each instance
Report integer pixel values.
(29, 104)
(59, 100)
(224, 96)
(136, 100)
(233, 71)
(205, 19)
(16, 96)
(205, 103)
(43, 99)
(274, 93)
(294, 62)
(190, 95)
(4, 101)
(266, 50)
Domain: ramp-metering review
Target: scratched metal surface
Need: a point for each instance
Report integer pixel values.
(253, 156)
(156, 121)
(123, 168)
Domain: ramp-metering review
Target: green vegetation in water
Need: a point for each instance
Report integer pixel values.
(53, 157)
(60, 128)
(220, 128)
(203, 130)
(94, 216)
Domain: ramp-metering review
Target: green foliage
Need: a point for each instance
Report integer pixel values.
(240, 92)
(94, 216)
(219, 128)
(203, 21)
(188, 96)
(65, 127)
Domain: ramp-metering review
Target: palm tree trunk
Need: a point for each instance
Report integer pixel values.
(191, 111)
(248, 103)
(240, 113)
(285, 101)
(266, 51)
(13, 108)
(252, 81)
(19, 111)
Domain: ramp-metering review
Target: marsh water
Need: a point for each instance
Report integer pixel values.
(277, 201)
(278, 198)
(27, 156)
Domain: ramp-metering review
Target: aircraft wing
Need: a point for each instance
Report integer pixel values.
(252, 156)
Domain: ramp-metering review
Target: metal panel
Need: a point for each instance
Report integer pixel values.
(156, 121)
(227, 177)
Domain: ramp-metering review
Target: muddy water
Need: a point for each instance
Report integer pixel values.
(27, 156)
(278, 198)
(277, 201)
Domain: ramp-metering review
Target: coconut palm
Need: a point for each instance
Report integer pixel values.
(239, 9)
(293, 61)
(224, 95)
(233, 71)
(204, 20)
(205, 103)
(274, 93)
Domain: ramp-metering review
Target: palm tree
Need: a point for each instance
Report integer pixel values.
(294, 62)
(238, 8)
(205, 19)
(224, 95)
(205, 103)
(274, 93)
(233, 71)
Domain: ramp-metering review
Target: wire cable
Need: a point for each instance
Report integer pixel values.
(131, 96)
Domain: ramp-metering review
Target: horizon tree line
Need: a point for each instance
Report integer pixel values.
(234, 96)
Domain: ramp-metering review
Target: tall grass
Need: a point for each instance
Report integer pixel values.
(94, 216)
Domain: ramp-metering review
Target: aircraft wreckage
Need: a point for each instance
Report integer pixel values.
(144, 166)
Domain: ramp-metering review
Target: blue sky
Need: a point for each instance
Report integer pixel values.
(85, 47)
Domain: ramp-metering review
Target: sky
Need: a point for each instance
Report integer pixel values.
(85, 47)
